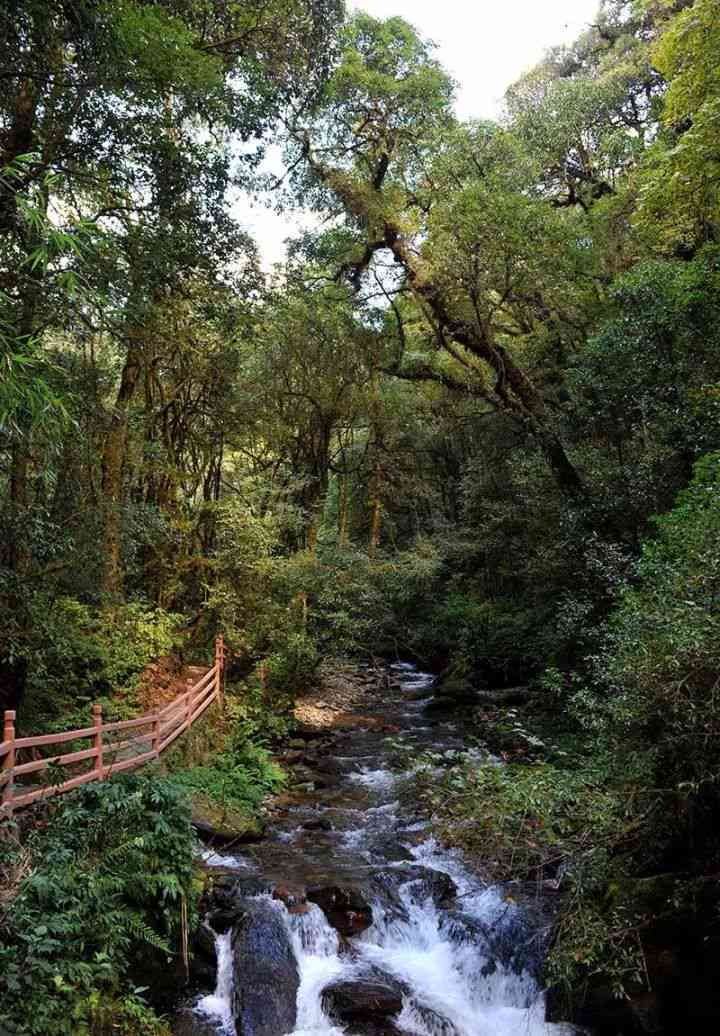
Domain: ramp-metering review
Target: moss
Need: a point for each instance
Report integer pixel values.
(228, 821)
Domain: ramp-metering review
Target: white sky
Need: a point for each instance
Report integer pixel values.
(485, 45)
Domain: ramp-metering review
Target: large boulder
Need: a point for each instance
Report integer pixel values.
(266, 978)
(203, 963)
(220, 827)
(224, 901)
(434, 885)
(367, 1005)
(344, 907)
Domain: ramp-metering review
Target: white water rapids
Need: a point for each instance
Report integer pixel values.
(453, 984)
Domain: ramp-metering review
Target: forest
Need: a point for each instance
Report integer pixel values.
(472, 424)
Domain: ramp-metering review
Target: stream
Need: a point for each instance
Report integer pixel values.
(359, 922)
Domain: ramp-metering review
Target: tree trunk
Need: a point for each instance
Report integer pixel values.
(375, 513)
(113, 459)
(344, 514)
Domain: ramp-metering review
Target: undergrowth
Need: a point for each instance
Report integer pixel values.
(97, 896)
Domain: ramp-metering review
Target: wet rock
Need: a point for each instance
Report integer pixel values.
(293, 757)
(307, 733)
(190, 1023)
(220, 832)
(265, 972)
(419, 695)
(345, 908)
(424, 883)
(204, 942)
(331, 767)
(433, 1022)
(225, 899)
(392, 850)
(290, 895)
(318, 824)
(203, 964)
(364, 1004)
(222, 918)
(434, 885)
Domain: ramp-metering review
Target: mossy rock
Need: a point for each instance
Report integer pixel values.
(219, 825)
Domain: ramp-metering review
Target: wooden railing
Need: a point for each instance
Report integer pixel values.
(115, 747)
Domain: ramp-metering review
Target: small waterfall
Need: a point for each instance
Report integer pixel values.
(218, 1005)
(317, 950)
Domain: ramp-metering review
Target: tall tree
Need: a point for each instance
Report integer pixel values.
(383, 117)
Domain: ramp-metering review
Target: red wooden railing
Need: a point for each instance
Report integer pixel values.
(109, 753)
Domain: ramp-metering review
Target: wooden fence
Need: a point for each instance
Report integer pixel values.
(115, 747)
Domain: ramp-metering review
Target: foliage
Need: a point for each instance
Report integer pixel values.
(681, 188)
(472, 420)
(102, 899)
(77, 655)
(659, 664)
(237, 778)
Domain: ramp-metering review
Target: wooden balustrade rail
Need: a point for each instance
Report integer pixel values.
(110, 755)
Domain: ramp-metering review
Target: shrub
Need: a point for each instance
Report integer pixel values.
(76, 654)
(237, 778)
(102, 901)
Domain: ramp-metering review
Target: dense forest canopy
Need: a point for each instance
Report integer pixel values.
(473, 419)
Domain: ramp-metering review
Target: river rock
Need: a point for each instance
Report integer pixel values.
(434, 885)
(190, 1023)
(423, 883)
(218, 834)
(434, 1022)
(318, 824)
(345, 908)
(225, 900)
(364, 1004)
(265, 973)
(203, 964)
(290, 895)
(330, 767)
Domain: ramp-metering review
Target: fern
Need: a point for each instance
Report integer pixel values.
(103, 901)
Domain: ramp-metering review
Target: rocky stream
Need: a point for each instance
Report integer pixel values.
(348, 918)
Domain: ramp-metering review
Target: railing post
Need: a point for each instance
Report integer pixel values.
(97, 723)
(8, 762)
(220, 670)
(188, 708)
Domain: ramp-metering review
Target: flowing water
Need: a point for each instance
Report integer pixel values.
(466, 963)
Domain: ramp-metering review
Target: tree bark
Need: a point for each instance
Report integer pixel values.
(113, 460)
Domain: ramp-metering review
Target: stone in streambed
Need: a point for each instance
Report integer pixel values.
(224, 901)
(434, 885)
(293, 757)
(345, 908)
(318, 824)
(218, 827)
(203, 964)
(291, 895)
(189, 1023)
(424, 883)
(367, 1005)
(265, 973)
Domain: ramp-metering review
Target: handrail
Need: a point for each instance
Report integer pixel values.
(166, 725)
